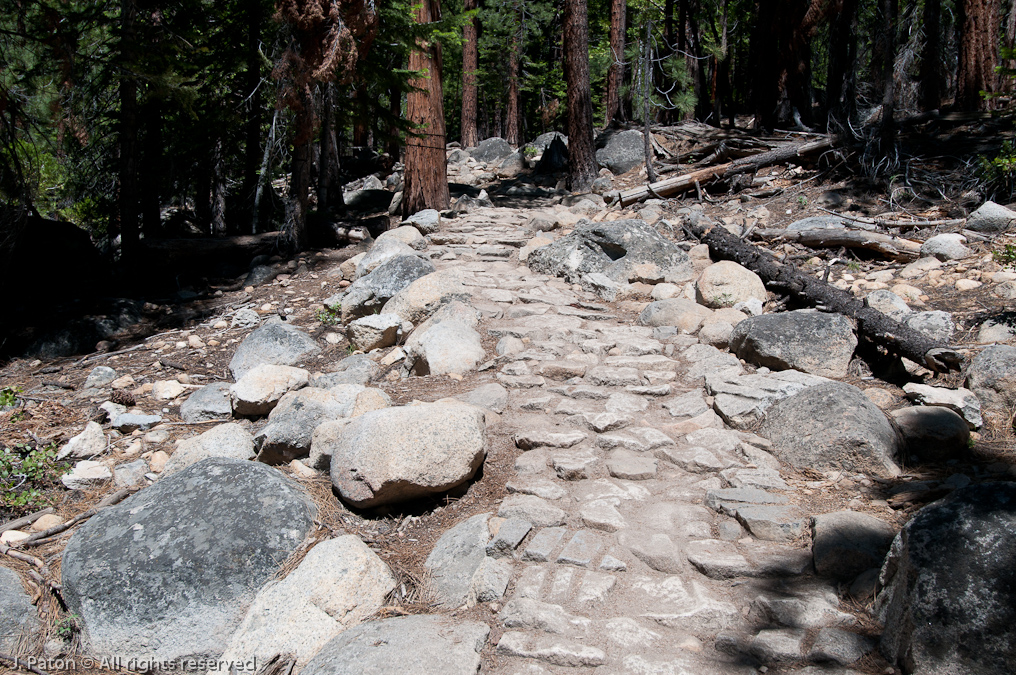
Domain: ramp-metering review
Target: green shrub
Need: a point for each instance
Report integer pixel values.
(25, 473)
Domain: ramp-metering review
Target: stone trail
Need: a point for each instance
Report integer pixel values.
(630, 553)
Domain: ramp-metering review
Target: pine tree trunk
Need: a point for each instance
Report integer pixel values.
(299, 186)
(218, 196)
(470, 61)
(841, 79)
(978, 53)
(888, 13)
(426, 182)
(252, 125)
(395, 109)
(931, 56)
(615, 74)
(151, 217)
(327, 168)
(581, 160)
(127, 197)
(512, 135)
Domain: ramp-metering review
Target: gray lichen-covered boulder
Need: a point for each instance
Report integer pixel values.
(612, 248)
(490, 150)
(381, 251)
(624, 151)
(208, 403)
(224, 440)
(169, 572)
(992, 377)
(397, 454)
(949, 586)
(932, 433)
(368, 294)
(19, 620)
(833, 427)
(991, 217)
(274, 343)
(355, 369)
(421, 644)
(291, 425)
(812, 342)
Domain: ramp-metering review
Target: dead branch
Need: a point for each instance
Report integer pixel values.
(883, 221)
(18, 663)
(40, 538)
(893, 247)
(27, 520)
(872, 324)
(753, 163)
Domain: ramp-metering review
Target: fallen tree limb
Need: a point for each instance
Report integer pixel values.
(677, 184)
(894, 247)
(40, 538)
(18, 663)
(894, 222)
(27, 520)
(872, 324)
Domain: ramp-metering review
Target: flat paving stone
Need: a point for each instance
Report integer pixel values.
(543, 544)
(509, 536)
(580, 550)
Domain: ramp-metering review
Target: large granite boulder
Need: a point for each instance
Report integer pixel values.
(491, 150)
(932, 433)
(446, 342)
(19, 620)
(833, 427)
(259, 390)
(421, 644)
(812, 342)
(420, 299)
(170, 572)
(612, 248)
(274, 343)
(397, 454)
(381, 251)
(224, 440)
(368, 294)
(624, 151)
(992, 377)
(355, 369)
(948, 601)
(340, 583)
(210, 402)
(291, 425)
(991, 217)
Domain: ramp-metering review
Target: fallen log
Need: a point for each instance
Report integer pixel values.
(893, 247)
(886, 221)
(687, 181)
(872, 324)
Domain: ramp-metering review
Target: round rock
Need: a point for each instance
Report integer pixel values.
(169, 572)
(724, 284)
(833, 426)
(932, 433)
(397, 454)
(812, 342)
(992, 377)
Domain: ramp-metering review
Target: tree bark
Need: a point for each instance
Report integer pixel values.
(978, 53)
(872, 324)
(299, 182)
(426, 182)
(581, 160)
(470, 63)
(841, 80)
(252, 125)
(888, 11)
(127, 197)
(931, 57)
(151, 216)
(615, 74)
(512, 134)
